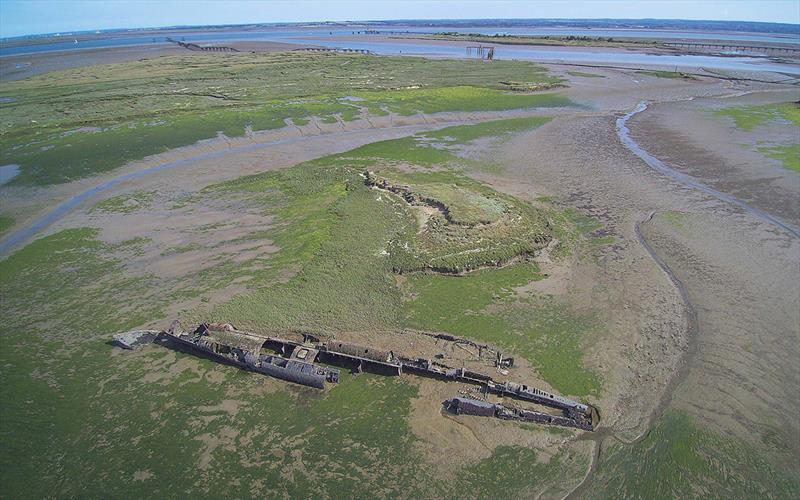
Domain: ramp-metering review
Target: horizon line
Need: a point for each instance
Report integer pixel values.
(356, 22)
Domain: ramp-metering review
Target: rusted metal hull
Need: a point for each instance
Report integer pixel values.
(292, 370)
(469, 406)
(135, 339)
(296, 363)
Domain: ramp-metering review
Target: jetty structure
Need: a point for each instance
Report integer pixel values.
(311, 362)
(202, 48)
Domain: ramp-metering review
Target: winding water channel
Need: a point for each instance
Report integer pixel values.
(24, 234)
(687, 180)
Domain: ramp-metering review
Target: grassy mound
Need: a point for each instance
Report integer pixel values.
(468, 225)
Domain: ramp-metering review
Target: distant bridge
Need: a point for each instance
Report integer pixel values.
(762, 49)
(335, 49)
(194, 46)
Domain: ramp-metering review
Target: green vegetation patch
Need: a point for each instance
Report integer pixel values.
(465, 225)
(584, 74)
(516, 472)
(788, 155)
(86, 419)
(404, 150)
(668, 74)
(157, 422)
(6, 222)
(331, 228)
(485, 306)
(749, 117)
(439, 147)
(344, 280)
(461, 134)
(679, 459)
(674, 218)
(126, 203)
(461, 98)
(77, 123)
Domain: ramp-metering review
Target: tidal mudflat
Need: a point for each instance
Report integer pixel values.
(669, 310)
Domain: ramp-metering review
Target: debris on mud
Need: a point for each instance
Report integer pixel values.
(135, 339)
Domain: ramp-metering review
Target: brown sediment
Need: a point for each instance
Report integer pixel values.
(681, 372)
(17, 67)
(250, 154)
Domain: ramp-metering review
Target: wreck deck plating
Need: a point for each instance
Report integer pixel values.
(469, 406)
(291, 369)
(297, 363)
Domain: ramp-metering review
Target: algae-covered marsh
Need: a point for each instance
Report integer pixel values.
(5, 223)
(77, 123)
(668, 74)
(125, 203)
(750, 117)
(584, 74)
(680, 459)
(443, 146)
(91, 420)
(788, 155)
(463, 225)
(486, 306)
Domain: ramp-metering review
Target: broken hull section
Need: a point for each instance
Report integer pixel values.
(475, 407)
(135, 339)
(296, 362)
(291, 370)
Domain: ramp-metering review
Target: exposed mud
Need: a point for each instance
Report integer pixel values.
(726, 275)
(698, 302)
(34, 210)
(689, 138)
(687, 180)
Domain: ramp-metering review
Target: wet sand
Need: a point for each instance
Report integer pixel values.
(737, 372)
(691, 139)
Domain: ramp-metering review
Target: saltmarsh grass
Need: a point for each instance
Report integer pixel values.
(679, 458)
(788, 155)
(78, 123)
(5, 223)
(174, 424)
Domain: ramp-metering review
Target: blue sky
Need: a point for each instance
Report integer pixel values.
(23, 17)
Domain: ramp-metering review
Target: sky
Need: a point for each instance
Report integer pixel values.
(26, 17)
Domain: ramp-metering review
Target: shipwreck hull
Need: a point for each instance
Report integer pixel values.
(291, 370)
(474, 407)
(295, 362)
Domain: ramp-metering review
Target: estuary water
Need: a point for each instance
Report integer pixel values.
(329, 38)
